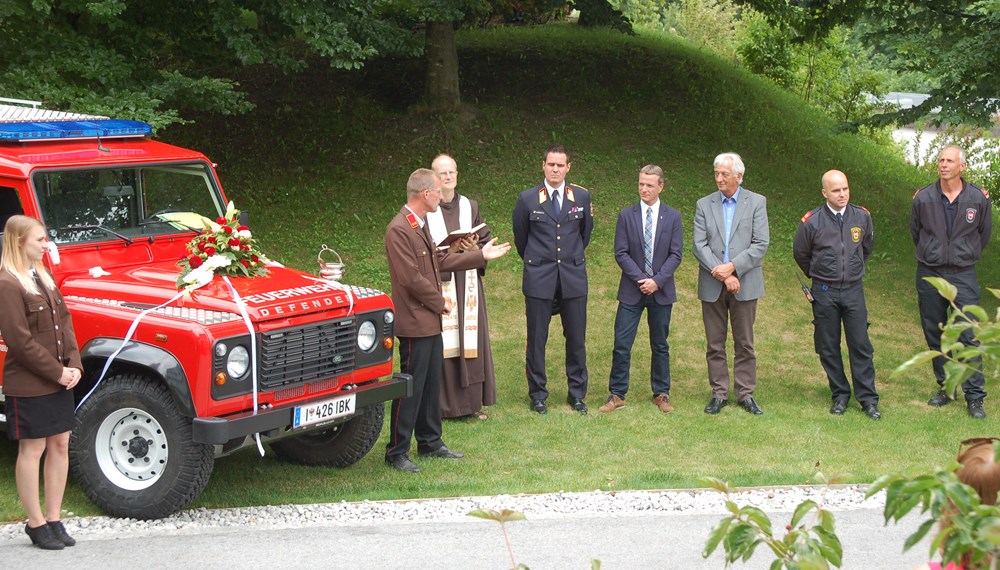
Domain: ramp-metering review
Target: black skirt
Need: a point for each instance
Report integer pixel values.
(38, 417)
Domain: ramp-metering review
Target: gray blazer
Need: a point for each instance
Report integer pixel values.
(748, 240)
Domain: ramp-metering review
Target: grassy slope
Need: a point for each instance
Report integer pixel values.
(335, 172)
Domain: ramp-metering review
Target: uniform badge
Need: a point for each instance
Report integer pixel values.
(806, 216)
(856, 234)
(413, 221)
(970, 215)
(542, 195)
(569, 193)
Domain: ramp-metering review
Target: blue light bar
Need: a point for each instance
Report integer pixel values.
(104, 128)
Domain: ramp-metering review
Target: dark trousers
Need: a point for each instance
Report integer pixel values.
(934, 312)
(422, 358)
(833, 307)
(573, 312)
(717, 316)
(626, 325)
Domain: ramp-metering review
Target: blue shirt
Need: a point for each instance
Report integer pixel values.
(728, 213)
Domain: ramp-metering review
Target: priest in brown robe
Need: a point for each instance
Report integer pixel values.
(469, 382)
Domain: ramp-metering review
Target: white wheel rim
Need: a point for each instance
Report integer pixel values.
(131, 449)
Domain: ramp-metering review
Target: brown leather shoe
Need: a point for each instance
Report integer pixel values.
(663, 402)
(614, 402)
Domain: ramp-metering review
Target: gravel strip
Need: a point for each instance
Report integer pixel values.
(676, 502)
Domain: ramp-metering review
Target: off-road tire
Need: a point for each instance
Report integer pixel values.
(340, 446)
(131, 450)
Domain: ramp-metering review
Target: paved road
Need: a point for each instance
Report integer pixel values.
(544, 542)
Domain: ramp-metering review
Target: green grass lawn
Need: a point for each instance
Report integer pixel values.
(325, 158)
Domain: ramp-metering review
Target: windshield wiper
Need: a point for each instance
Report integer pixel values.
(157, 221)
(128, 240)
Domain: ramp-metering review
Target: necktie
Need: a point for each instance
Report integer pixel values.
(647, 248)
(840, 218)
(555, 200)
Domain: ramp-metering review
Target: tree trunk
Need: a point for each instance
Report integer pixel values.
(441, 93)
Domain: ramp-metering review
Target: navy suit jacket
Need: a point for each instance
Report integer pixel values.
(668, 242)
(551, 243)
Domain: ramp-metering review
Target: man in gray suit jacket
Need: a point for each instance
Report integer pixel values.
(730, 240)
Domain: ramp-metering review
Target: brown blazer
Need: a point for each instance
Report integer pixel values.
(38, 332)
(414, 265)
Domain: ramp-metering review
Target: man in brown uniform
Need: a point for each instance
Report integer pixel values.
(414, 264)
(468, 380)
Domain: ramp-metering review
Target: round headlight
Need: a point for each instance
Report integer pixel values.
(221, 349)
(238, 362)
(388, 317)
(366, 336)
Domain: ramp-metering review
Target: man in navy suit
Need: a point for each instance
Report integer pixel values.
(648, 244)
(552, 224)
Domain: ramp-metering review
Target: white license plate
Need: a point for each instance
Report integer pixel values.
(323, 411)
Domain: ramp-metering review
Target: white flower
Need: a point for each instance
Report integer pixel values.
(230, 211)
(244, 234)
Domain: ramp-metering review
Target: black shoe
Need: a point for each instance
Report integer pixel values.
(59, 531)
(443, 453)
(43, 538)
(976, 411)
(579, 405)
(403, 463)
(839, 407)
(751, 406)
(871, 410)
(539, 406)
(714, 405)
(940, 399)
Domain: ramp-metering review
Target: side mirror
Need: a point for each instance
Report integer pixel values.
(244, 218)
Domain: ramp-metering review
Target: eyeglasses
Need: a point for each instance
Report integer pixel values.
(448, 173)
(723, 175)
(438, 190)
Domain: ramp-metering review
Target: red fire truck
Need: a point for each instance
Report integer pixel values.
(304, 365)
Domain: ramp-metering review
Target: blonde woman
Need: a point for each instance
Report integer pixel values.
(41, 368)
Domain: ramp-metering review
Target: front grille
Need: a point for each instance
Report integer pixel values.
(307, 353)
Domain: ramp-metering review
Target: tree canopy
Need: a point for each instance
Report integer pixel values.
(956, 43)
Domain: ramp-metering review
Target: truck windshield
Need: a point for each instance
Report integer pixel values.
(125, 203)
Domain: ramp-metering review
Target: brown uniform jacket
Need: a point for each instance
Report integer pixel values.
(38, 332)
(414, 265)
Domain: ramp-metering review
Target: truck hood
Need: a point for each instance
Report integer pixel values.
(283, 293)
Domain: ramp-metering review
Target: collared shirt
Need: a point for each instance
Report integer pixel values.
(950, 207)
(728, 214)
(561, 188)
(835, 212)
(419, 219)
(656, 209)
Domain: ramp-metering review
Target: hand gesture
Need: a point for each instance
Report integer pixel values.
(732, 284)
(723, 271)
(493, 251)
(468, 243)
(448, 306)
(70, 377)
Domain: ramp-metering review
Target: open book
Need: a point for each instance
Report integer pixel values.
(458, 235)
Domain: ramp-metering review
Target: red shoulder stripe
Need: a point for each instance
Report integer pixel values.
(807, 216)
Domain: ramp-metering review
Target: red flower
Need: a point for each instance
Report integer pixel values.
(195, 261)
(234, 242)
(242, 228)
(211, 239)
(254, 258)
(245, 263)
(245, 247)
(227, 229)
(201, 246)
(220, 220)
(209, 250)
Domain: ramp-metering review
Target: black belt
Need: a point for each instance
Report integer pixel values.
(835, 284)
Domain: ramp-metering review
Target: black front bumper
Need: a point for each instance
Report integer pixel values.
(218, 431)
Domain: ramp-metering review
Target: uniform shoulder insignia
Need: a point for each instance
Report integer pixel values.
(413, 221)
(985, 193)
(915, 193)
(865, 210)
(807, 216)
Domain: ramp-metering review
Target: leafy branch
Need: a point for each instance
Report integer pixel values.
(810, 541)
(961, 360)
